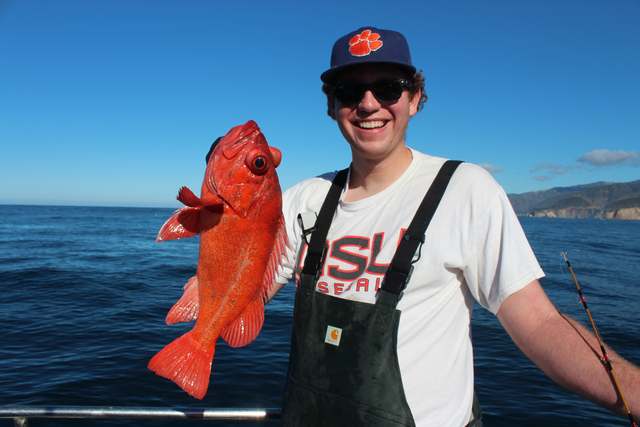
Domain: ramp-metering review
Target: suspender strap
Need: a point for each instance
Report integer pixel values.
(399, 270)
(315, 252)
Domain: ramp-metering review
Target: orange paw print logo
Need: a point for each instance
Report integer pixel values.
(364, 43)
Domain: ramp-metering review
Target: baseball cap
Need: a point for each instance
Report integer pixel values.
(368, 45)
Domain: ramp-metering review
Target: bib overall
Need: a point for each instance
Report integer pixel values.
(343, 365)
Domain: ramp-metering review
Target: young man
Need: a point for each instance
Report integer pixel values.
(387, 271)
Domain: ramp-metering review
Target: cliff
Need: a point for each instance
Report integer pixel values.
(597, 200)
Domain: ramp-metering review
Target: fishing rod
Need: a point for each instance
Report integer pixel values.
(604, 359)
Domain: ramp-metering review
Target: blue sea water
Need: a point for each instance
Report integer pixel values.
(84, 292)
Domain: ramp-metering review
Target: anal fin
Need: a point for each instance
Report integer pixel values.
(186, 309)
(246, 327)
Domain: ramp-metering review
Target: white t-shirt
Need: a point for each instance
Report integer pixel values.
(475, 249)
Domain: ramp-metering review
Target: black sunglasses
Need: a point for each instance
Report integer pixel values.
(386, 91)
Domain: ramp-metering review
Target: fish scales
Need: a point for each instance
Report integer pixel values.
(232, 248)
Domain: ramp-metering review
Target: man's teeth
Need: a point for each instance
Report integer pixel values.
(371, 124)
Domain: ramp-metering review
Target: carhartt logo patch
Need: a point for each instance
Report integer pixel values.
(333, 335)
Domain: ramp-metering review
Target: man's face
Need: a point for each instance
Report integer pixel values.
(374, 129)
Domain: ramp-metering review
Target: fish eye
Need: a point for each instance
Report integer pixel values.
(258, 164)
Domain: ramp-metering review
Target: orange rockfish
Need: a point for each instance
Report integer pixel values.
(239, 218)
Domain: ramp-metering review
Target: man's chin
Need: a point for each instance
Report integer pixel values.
(370, 150)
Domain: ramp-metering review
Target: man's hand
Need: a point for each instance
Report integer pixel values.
(566, 351)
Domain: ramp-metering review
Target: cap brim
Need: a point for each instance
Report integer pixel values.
(330, 75)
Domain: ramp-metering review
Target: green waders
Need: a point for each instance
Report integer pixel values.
(343, 365)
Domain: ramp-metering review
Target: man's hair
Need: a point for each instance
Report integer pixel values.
(416, 83)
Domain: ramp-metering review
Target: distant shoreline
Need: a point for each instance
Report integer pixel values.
(601, 200)
(529, 215)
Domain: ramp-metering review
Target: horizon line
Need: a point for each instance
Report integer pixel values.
(81, 205)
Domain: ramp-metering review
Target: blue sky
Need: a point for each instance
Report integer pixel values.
(116, 102)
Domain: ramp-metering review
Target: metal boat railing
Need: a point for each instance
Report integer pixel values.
(22, 414)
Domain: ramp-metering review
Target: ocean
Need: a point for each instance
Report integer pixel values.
(84, 293)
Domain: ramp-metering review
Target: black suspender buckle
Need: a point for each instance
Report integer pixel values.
(310, 219)
(421, 238)
(317, 243)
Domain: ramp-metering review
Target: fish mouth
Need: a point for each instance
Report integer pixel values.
(249, 127)
(242, 132)
(232, 150)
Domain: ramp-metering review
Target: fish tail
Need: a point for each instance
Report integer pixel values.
(186, 362)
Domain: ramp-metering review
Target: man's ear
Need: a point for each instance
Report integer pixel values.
(414, 102)
(331, 107)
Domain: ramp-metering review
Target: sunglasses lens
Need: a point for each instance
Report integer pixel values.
(387, 91)
(349, 93)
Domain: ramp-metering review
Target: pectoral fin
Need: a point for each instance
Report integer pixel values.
(183, 223)
(246, 327)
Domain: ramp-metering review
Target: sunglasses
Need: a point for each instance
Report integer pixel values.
(386, 91)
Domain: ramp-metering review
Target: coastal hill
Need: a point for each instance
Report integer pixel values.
(605, 200)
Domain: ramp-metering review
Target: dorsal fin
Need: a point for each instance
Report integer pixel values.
(186, 196)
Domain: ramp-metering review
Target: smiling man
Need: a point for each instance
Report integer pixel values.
(389, 256)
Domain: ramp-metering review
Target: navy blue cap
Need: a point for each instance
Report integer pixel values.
(368, 45)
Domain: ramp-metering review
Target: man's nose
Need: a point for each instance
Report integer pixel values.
(368, 102)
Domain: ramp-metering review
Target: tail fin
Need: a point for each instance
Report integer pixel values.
(185, 362)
